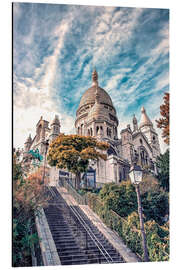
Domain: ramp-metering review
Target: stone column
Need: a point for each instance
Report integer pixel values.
(118, 177)
(114, 163)
(105, 129)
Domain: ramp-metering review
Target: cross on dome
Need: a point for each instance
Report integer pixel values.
(95, 77)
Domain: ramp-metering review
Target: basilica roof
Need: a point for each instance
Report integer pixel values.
(98, 110)
(89, 95)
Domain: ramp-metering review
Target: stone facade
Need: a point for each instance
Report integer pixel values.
(96, 116)
(43, 133)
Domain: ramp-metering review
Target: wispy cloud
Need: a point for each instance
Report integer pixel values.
(56, 48)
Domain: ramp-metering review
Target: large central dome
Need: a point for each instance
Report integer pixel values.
(96, 112)
(89, 97)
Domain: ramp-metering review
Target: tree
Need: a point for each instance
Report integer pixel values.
(28, 196)
(120, 198)
(162, 163)
(155, 205)
(163, 123)
(73, 153)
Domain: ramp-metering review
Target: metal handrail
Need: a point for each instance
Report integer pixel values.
(79, 198)
(90, 233)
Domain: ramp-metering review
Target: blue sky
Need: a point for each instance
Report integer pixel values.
(56, 47)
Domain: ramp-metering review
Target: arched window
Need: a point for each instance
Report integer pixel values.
(111, 151)
(144, 156)
(120, 177)
(146, 160)
(97, 128)
(124, 173)
(101, 128)
(88, 132)
(78, 130)
(91, 132)
(115, 131)
(82, 129)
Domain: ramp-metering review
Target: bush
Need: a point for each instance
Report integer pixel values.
(28, 196)
(129, 228)
(123, 199)
(155, 205)
(120, 198)
(162, 163)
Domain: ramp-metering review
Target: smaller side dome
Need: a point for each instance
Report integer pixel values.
(145, 121)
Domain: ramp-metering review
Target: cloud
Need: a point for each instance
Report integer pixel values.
(56, 48)
(25, 122)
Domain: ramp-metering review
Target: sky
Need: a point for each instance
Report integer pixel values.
(56, 48)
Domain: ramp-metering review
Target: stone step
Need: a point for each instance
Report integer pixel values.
(70, 236)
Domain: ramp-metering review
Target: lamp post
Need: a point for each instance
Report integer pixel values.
(135, 175)
(46, 143)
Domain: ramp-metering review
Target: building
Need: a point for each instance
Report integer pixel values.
(96, 116)
(43, 133)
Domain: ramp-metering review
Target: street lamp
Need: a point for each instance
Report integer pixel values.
(46, 144)
(135, 175)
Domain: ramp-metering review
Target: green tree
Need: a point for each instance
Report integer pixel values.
(162, 163)
(120, 198)
(155, 205)
(73, 153)
(123, 200)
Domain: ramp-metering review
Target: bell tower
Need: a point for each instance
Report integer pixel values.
(135, 124)
(55, 128)
(127, 144)
(146, 127)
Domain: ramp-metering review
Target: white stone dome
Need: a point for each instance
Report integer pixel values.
(89, 97)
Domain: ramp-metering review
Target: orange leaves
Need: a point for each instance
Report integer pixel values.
(73, 152)
(30, 194)
(163, 123)
(102, 145)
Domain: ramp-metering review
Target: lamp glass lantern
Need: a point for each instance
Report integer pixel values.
(135, 174)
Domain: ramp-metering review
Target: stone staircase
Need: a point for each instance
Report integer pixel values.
(77, 240)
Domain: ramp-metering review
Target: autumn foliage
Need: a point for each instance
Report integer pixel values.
(28, 196)
(163, 122)
(73, 152)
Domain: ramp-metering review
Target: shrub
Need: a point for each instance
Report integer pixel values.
(120, 198)
(129, 228)
(28, 196)
(155, 205)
